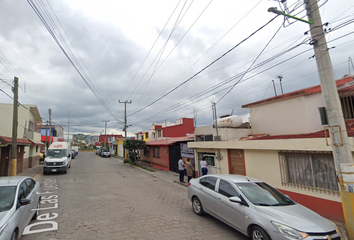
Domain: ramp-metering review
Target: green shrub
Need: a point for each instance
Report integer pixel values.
(127, 160)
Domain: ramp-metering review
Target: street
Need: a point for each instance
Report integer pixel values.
(103, 198)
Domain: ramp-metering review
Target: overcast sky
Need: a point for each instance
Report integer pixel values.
(172, 59)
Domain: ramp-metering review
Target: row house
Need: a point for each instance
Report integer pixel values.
(109, 140)
(286, 146)
(167, 142)
(28, 138)
(52, 133)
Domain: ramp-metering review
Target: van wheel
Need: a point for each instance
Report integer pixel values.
(65, 172)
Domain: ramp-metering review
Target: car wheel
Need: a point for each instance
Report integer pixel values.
(44, 173)
(14, 235)
(259, 234)
(65, 172)
(37, 211)
(197, 206)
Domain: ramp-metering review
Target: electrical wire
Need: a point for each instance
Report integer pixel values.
(203, 69)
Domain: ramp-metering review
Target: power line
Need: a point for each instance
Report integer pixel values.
(164, 95)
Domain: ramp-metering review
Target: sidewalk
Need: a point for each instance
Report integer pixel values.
(167, 176)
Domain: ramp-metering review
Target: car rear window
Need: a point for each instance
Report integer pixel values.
(209, 182)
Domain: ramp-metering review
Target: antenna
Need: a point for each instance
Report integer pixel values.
(281, 86)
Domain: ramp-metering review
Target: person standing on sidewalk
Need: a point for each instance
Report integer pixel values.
(203, 165)
(189, 169)
(181, 167)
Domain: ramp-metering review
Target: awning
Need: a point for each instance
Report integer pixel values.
(36, 142)
(4, 141)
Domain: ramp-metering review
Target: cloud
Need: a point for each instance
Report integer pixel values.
(112, 46)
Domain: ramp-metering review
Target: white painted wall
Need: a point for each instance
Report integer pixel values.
(295, 115)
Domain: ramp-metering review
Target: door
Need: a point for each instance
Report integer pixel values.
(4, 161)
(231, 212)
(237, 162)
(207, 194)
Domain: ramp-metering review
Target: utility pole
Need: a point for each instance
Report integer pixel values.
(68, 125)
(125, 116)
(46, 138)
(340, 144)
(50, 126)
(14, 129)
(125, 121)
(105, 127)
(341, 150)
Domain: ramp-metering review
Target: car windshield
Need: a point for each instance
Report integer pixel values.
(7, 196)
(261, 194)
(56, 153)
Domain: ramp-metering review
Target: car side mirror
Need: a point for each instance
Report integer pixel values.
(68, 155)
(238, 200)
(235, 199)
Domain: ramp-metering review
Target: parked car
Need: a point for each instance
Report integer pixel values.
(19, 204)
(105, 153)
(98, 151)
(256, 209)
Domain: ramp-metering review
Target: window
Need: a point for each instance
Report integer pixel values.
(202, 138)
(30, 183)
(210, 159)
(309, 170)
(156, 152)
(22, 192)
(146, 135)
(209, 182)
(31, 126)
(227, 189)
(159, 133)
(347, 102)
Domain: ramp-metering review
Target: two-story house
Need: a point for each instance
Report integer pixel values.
(28, 138)
(167, 142)
(287, 147)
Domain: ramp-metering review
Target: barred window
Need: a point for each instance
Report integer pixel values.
(309, 170)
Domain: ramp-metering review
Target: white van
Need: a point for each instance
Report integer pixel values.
(58, 158)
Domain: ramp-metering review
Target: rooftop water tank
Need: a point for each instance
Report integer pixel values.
(230, 121)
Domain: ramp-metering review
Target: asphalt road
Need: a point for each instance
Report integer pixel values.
(103, 198)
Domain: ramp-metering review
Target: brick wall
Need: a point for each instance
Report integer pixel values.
(163, 160)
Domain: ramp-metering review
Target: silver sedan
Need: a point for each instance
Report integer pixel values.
(19, 204)
(256, 209)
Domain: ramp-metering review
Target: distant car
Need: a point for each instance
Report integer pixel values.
(105, 153)
(98, 151)
(256, 209)
(19, 204)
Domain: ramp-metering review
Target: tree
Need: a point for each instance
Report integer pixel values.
(133, 146)
(78, 139)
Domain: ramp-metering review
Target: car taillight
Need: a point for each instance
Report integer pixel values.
(189, 184)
